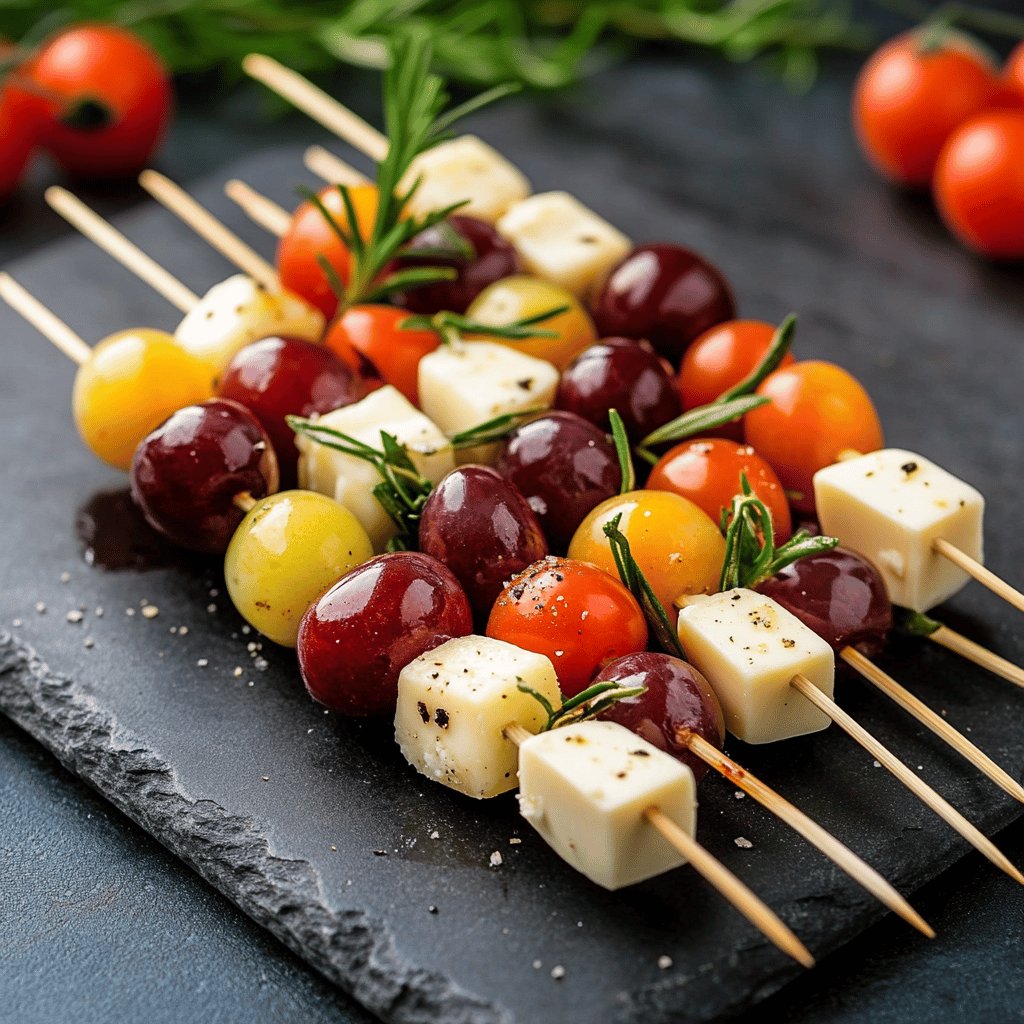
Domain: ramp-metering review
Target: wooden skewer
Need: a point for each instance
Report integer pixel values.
(959, 644)
(926, 716)
(751, 906)
(244, 501)
(258, 208)
(913, 782)
(302, 93)
(324, 164)
(126, 252)
(841, 855)
(49, 325)
(204, 224)
(986, 577)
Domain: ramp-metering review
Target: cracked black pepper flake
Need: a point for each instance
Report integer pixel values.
(424, 713)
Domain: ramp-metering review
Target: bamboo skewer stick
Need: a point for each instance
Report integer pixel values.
(986, 577)
(258, 207)
(927, 717)
(982, 656)
(914, 783)
(126, 252)
(49, 325)
(755, 910)
(324, 164)
(204, 224)
(302, 93)
(841, 855)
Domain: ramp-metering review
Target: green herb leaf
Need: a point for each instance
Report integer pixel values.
(492, 430)
(587, 704)
(781, 343)
(917, 624)
(700, 420)
(621, 441)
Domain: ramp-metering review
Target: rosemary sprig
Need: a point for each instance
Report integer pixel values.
(698, 421)
(589, 703)
(452, 327)
(751, 556)
(492, 430)
(782, 341)
(621, 441)
(634, 580)
(917, 624)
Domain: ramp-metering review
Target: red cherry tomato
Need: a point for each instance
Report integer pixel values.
(979, 184)
(817, 411)
(19, 133)
(707, 472)
(309, 235)
(911, 95)
(373, 333)
(1013, 76)
(106, 97)
(571, 612)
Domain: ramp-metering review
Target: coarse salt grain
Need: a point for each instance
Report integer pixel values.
(74, 616)
(664, 962)
(558, 972)
(496, 859)
(742, 843)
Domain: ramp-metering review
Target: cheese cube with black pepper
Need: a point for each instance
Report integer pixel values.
(585, 788)
(890, 506)
(561, 240)
(454, 703)
(749, 648)
(464, 384)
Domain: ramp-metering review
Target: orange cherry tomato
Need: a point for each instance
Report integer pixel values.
(373, 333)
(309, 235)
(105, 97)
(573, 613)
(910, 96)
(979, 184)
(707, 472)
(677, 546)
(817, 411)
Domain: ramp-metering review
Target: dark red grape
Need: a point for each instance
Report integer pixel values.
(278, 377)
(839, 596)
(482, 528)
(620, 374)
(494, 258)
(187, 473)
(564, 466)
(678, 699)
(356, 639)
(665, 294)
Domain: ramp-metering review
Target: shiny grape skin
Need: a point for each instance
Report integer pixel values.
(483, 530)
(495, 258)
(564, 466)
(620, 374)
(839, 596)
(356, 639)
(678, 697)
(665, 294)
(187, 473)
(278, 377)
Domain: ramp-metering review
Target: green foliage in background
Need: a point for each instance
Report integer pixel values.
(542, 43)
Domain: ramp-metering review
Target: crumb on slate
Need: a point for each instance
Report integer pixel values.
(664, 962)
(496, 859)
(558, 972)
(743, 843)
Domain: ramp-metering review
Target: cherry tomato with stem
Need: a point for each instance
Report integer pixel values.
(817, 411)
(707, 472)
(573, 613)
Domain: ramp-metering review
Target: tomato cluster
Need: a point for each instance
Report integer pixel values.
(95, 97)
(932, 108)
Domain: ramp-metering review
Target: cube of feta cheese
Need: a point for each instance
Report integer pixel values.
(350, 481)
(561, 240)
(465, 168)
(239, 311)
(890, 506)
(454, 703)
(585, 788)
(462, 385)
(749, 648)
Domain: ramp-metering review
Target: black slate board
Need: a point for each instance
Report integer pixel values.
(184, 749)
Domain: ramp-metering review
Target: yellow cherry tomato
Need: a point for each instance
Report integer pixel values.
(677, 546)
(286, 552)
(520, 297)
(129, 385)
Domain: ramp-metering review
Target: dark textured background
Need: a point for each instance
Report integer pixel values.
(768, 186)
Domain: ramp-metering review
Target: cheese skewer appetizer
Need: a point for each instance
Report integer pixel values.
(125, 386)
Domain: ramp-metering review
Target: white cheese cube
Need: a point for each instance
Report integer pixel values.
(890, 506)
(465, 168)
(462, 385)
(560, 240)
(454, 703)
(239, 311)
(350, 481)
(749, 648)
(585, 788)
